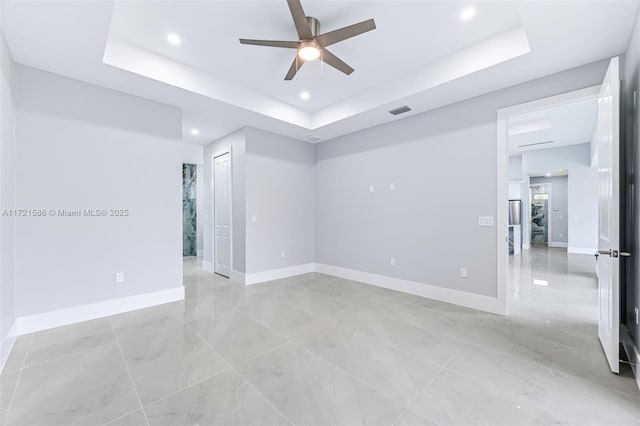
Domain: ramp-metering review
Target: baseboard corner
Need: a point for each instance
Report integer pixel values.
(276, 274)
(6, 345)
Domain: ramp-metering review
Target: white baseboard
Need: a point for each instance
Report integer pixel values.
(556, 244)
(7, 345)
(470, 300)
(207, 266)
(633, 352)
(581, 250)
(526, 246)
(275, 274)
(58, 318)
(199, 252)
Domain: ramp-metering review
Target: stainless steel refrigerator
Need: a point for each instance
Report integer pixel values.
(515, 212)
(515, 226)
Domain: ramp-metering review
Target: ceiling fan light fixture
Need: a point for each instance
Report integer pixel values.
(309, 51)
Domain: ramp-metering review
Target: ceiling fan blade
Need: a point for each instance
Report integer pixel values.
(300, 20)
(271, 43)
(295, 67)
(334, 61)
(332, 37)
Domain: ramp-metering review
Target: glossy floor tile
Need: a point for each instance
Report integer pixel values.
(312, 391)
(227, 399)
(50, 344)
(320, 350)
(168, 360)
(87, 388)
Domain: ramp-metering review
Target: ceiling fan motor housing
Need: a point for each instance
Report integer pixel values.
(314, 24)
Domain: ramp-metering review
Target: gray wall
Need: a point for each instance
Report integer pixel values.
(80, 146)
(514, 171)
(558, 207)
(631, 184)
(7, 198)
(235, 142)
(280, 185)
(429, 224)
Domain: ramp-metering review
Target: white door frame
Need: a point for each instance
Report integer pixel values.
(213, 206)
(502, 216)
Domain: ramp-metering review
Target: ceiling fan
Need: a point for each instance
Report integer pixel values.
(312, 45)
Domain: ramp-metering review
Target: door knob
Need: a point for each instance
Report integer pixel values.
(612, 253)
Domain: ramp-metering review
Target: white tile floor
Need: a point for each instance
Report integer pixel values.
(316, 349)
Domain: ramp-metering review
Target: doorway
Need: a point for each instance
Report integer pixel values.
(600, 173)
(222, 213)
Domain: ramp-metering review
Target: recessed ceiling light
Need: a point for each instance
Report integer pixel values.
(195, 132)
(547, 174)
(174, 39)
(468, 13)
(305, 95)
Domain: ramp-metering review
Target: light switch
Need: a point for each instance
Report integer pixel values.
(254, 218)
(372, 188)
(392, 187)
(392, 261)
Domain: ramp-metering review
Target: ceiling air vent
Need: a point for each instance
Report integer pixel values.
(312, 138)
(400, 110)
(535, 143)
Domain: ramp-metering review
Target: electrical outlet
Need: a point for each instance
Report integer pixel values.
(119, 277)
(392, 261)
(635, 313)
(282, 254)
(392, 187)
(463, 272)
(372, 188)
(485, 220)
(254, 218)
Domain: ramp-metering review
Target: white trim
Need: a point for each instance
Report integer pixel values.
(7, 344)
(502, 222)
(581, 250)
(632, 351)
(275, 274)
(237, 277)
(526, 246)
(199, 252)
(502, 218)
(52, 319)
(470, 300)
(207, 266)
(556, 244)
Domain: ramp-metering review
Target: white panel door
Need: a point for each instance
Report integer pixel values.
(222, 214)
(608, 258)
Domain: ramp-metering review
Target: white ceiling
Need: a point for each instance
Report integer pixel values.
(569, 124)
(421, 54)
(402, 43)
